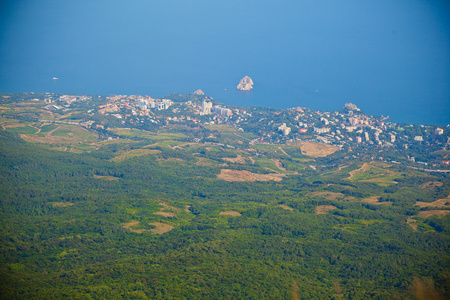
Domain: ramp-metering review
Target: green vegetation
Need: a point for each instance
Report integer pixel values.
(148, 216)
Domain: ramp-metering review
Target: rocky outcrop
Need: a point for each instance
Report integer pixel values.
(351, 106)
(199, 93)
(246, 84)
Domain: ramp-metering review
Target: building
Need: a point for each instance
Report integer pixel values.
(439, 131)
(284, 129)
(222, 111)
(321, 130)
(206, 107)
(392, 137)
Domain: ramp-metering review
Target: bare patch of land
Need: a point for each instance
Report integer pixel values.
(164, 214)
(242, 175)
(61, 204)
(332, 195)
(132, 224)
(161, 227)
(285, 207)
(374, 200)
(430, 213)
(431, 185)
(165, 206)
(232, 213)
(317, 149)
(412, 223)
(186, 208)
(445, 202)
(106, 177)
(323, 209)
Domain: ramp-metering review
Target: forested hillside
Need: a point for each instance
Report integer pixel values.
(160, 219)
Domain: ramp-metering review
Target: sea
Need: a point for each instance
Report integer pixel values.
(389, 58)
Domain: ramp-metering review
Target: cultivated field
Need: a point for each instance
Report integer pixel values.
(242, 175)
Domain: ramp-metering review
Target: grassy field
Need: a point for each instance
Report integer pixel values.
(134, 153)
(22, 130)
(376, 173)
(135, 133)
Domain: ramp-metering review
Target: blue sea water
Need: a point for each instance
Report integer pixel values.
(387, 57)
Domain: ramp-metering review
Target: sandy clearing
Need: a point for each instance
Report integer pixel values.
(431, 184)
(412, 223)
(317, 149)
(323, 209)
(243, 175)
(131, 224)
(429, 213)
(438, 203)
(283, 206)
(165, 206)
(61, 204)
(164, 214)
(186, 208)
(160, 227)
(332, 195)
(106, 177)
(374, 200)
(232, 213)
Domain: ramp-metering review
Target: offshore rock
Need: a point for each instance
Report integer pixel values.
(246, 84)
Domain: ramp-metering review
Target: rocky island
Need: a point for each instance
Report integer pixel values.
(246, 84)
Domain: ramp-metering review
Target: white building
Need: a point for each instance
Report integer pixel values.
(321, 130)
(206, 107)
(284, 129)
(222, 111)
(392, 137)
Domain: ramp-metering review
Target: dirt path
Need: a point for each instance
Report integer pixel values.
(37, 128)
(51, 131)
(364, 167)
(284, 152)
(242, 137)
(279, 164)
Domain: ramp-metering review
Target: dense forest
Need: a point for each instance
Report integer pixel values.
(154, 217)
(86, 226)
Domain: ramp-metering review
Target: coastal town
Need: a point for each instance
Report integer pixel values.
(350, 129)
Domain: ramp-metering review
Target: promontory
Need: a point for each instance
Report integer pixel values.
(246, 84)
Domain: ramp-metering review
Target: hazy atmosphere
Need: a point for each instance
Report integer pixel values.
(388, 57)
(220, 149)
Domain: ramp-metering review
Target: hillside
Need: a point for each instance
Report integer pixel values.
(199, 212)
